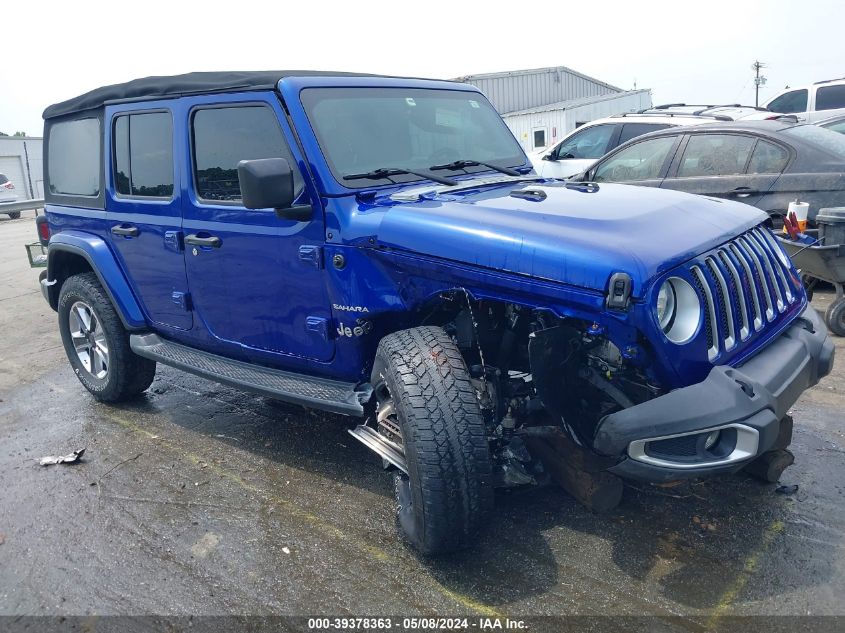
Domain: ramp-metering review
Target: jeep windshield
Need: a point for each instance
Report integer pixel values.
(390, 133)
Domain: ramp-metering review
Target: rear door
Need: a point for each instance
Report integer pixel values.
(726, 166)
(830, 101)
(144, 211)
(260, 285)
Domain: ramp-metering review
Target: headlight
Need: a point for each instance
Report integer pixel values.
(665, 306)
(678, 310)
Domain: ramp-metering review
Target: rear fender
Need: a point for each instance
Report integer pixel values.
(71, 252)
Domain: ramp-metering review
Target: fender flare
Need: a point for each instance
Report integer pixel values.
(97, 253)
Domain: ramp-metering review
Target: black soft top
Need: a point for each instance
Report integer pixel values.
(178, 85)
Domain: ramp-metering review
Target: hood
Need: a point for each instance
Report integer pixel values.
(566, 232)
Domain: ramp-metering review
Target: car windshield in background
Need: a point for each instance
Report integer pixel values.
(362, 130)
(832, 142)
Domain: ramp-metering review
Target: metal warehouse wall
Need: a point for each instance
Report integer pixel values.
(522, 89)
(21, 160)
(559, 122)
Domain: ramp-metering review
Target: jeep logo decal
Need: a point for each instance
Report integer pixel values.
(359, 329)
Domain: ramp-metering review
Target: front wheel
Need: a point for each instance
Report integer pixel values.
(97, 344)
(428, 406)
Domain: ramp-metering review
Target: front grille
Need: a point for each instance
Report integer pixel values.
(743, 287)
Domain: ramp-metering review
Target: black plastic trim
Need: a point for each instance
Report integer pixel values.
(757, 393)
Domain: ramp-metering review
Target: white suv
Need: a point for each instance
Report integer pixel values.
(813, 103)
(586, 144)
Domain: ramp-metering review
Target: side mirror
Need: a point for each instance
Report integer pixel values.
(549, 156)
(268, 183)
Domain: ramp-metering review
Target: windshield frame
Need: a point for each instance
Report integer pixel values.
(518, 161)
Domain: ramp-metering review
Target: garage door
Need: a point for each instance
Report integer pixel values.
(12, 168)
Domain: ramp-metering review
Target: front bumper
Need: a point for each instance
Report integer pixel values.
(745, 404)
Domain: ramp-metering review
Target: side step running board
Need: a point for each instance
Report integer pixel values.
(371, 438)
(318, 393)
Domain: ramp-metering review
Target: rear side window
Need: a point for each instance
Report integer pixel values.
(767, 158)
(715, 155)
(223, 137)
(74, 159)
(790, 102)
(830, 97)
(143, 155)
(633, 130)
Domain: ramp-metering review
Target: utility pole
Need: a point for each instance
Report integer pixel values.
(759, 80)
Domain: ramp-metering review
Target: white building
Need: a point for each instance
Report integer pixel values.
(543, 105)
(21, 162)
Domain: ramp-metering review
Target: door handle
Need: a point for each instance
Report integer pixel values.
(125, 230)
(742, 192)
(195, 240)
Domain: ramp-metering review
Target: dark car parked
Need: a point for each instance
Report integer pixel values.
(767, 164)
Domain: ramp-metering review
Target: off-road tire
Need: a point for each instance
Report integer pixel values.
(128, 374)
(14, 215)
(448, 491)
(834, 316)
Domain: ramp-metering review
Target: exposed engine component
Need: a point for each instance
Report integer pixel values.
(532, 368)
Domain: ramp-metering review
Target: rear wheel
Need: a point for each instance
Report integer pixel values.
(428, 406)
(14, 215)
(97, 344)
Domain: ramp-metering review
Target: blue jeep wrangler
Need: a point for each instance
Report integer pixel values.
(380, 248)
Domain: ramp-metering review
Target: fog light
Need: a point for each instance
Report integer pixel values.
(711, 439)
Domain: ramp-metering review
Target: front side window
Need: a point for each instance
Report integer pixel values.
(365, 129)
(641, 161)
(767, 158)
(830, 97)
(790, 102)
(715, 155)
(223, 137)
(73, 161)
(143, 155)
(591, 142)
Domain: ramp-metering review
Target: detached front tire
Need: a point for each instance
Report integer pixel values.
(97, 344)
(422, 383)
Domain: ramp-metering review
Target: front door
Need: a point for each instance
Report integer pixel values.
(252, 286)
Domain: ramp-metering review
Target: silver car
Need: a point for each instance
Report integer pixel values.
(7, 194)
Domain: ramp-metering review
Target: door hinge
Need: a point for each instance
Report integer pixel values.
(182, 299)
(312, 255)
(318, 325)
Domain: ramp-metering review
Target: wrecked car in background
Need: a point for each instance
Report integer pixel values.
(381, 248)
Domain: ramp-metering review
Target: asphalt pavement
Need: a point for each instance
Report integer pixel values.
(200, 499)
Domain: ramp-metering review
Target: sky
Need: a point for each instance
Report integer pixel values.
(691, 52)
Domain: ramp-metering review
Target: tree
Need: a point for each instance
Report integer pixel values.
(19, 134)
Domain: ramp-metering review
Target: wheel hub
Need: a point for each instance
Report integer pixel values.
(89, 340)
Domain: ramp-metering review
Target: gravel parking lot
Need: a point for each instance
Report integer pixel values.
(199, 499)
